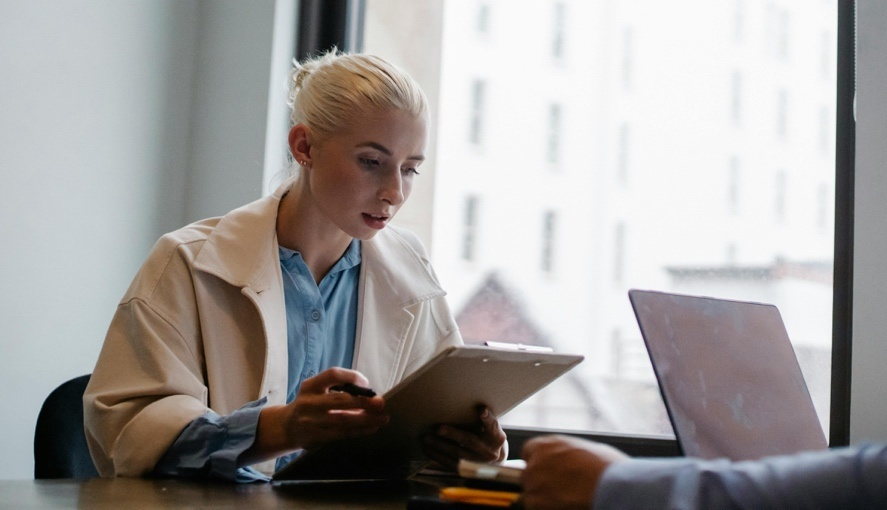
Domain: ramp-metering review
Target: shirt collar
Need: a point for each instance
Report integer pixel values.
(349, 259)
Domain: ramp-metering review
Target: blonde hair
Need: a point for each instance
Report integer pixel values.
(325, 92)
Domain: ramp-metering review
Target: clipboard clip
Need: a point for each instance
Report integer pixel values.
(518, 347)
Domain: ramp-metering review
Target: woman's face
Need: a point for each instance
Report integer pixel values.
(359, 178)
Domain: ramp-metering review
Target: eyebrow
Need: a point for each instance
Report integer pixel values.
(384, 150)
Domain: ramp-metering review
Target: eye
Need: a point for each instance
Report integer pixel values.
(370, 162)
(410, 171)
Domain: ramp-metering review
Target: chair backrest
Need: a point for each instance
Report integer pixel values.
(60, 449)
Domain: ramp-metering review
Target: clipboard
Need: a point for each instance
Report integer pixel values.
(447, 389)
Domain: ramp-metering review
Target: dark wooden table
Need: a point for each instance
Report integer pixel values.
(137, 493)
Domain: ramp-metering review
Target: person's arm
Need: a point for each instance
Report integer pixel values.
(316, 416)
(566, 472)
(842, 478)
(563, 472)
(224, 446)
(211, 447)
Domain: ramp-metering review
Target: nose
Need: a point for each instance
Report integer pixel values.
(391, 189)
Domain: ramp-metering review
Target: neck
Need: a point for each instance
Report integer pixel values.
(302, 227)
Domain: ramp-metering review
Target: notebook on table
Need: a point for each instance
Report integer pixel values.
(728, 375)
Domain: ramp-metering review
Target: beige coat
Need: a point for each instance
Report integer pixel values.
(203, 326)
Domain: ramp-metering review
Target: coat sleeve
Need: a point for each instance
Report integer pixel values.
(148, 382)
(842, 478)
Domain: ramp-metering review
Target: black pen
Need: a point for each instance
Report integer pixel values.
(353, 389)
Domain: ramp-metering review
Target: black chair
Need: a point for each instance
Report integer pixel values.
(60, 449)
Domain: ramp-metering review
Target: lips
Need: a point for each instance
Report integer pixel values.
(377, 221)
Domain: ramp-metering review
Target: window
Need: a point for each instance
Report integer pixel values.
(733, 178)
(619, 252)
(627, 50)
(475, 129)
(554, 133)
(483, 18)
(736, 98)
(825, 130)
(651, 107)
(557, 32)
(469, 229)
(779, 203)
(783, 37)
(826, 61)
(823, 207)
(738, 20)
(624, 145)
(782, 113)
(549, 226)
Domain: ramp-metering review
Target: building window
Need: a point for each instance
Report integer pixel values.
(627, 57)
(617, 356)
(624, 147)
(733, 179)
(483, 18)
(736, 98)
(823, 208)
(782, 113)
(554, 133)
(619, 252)
(732, 254)
(549, 227)
(557, 35)
(469, 229)
(475, 129)
(738, 20)
(826, 62)
(781, 190)
(782, 44)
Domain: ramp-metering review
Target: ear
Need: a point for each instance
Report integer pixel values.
(300, 141)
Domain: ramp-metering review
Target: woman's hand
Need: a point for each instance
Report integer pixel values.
(484, 441)
(317, 416)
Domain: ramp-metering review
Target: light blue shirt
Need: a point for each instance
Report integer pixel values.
(321, 328)
(840, 478)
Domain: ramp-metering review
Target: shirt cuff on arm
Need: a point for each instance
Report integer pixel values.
(210, 446)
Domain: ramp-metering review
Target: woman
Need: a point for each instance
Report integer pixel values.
(227, 347)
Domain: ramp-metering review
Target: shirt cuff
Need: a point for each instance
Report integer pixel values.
(211, 446)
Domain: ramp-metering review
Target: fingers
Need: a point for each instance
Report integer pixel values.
(323, 381)
(319, 414)
(492, 433)
(321, 385)
(482, 442)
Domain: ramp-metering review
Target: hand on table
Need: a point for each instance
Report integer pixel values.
(563, 472)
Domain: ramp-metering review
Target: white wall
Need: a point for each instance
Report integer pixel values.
(868, 407)
(119, 120)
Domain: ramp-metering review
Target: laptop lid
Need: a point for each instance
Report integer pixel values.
(728, 376)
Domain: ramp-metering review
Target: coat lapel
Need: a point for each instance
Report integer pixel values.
(242, 250)
(394, 278)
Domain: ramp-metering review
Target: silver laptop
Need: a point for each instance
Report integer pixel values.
(728, 375)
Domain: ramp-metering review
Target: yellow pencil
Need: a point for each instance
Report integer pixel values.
(479, 496)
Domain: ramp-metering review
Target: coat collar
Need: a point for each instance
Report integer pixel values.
(243, 246)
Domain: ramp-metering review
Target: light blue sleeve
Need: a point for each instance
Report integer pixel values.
(209, 447)
(840, 478)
